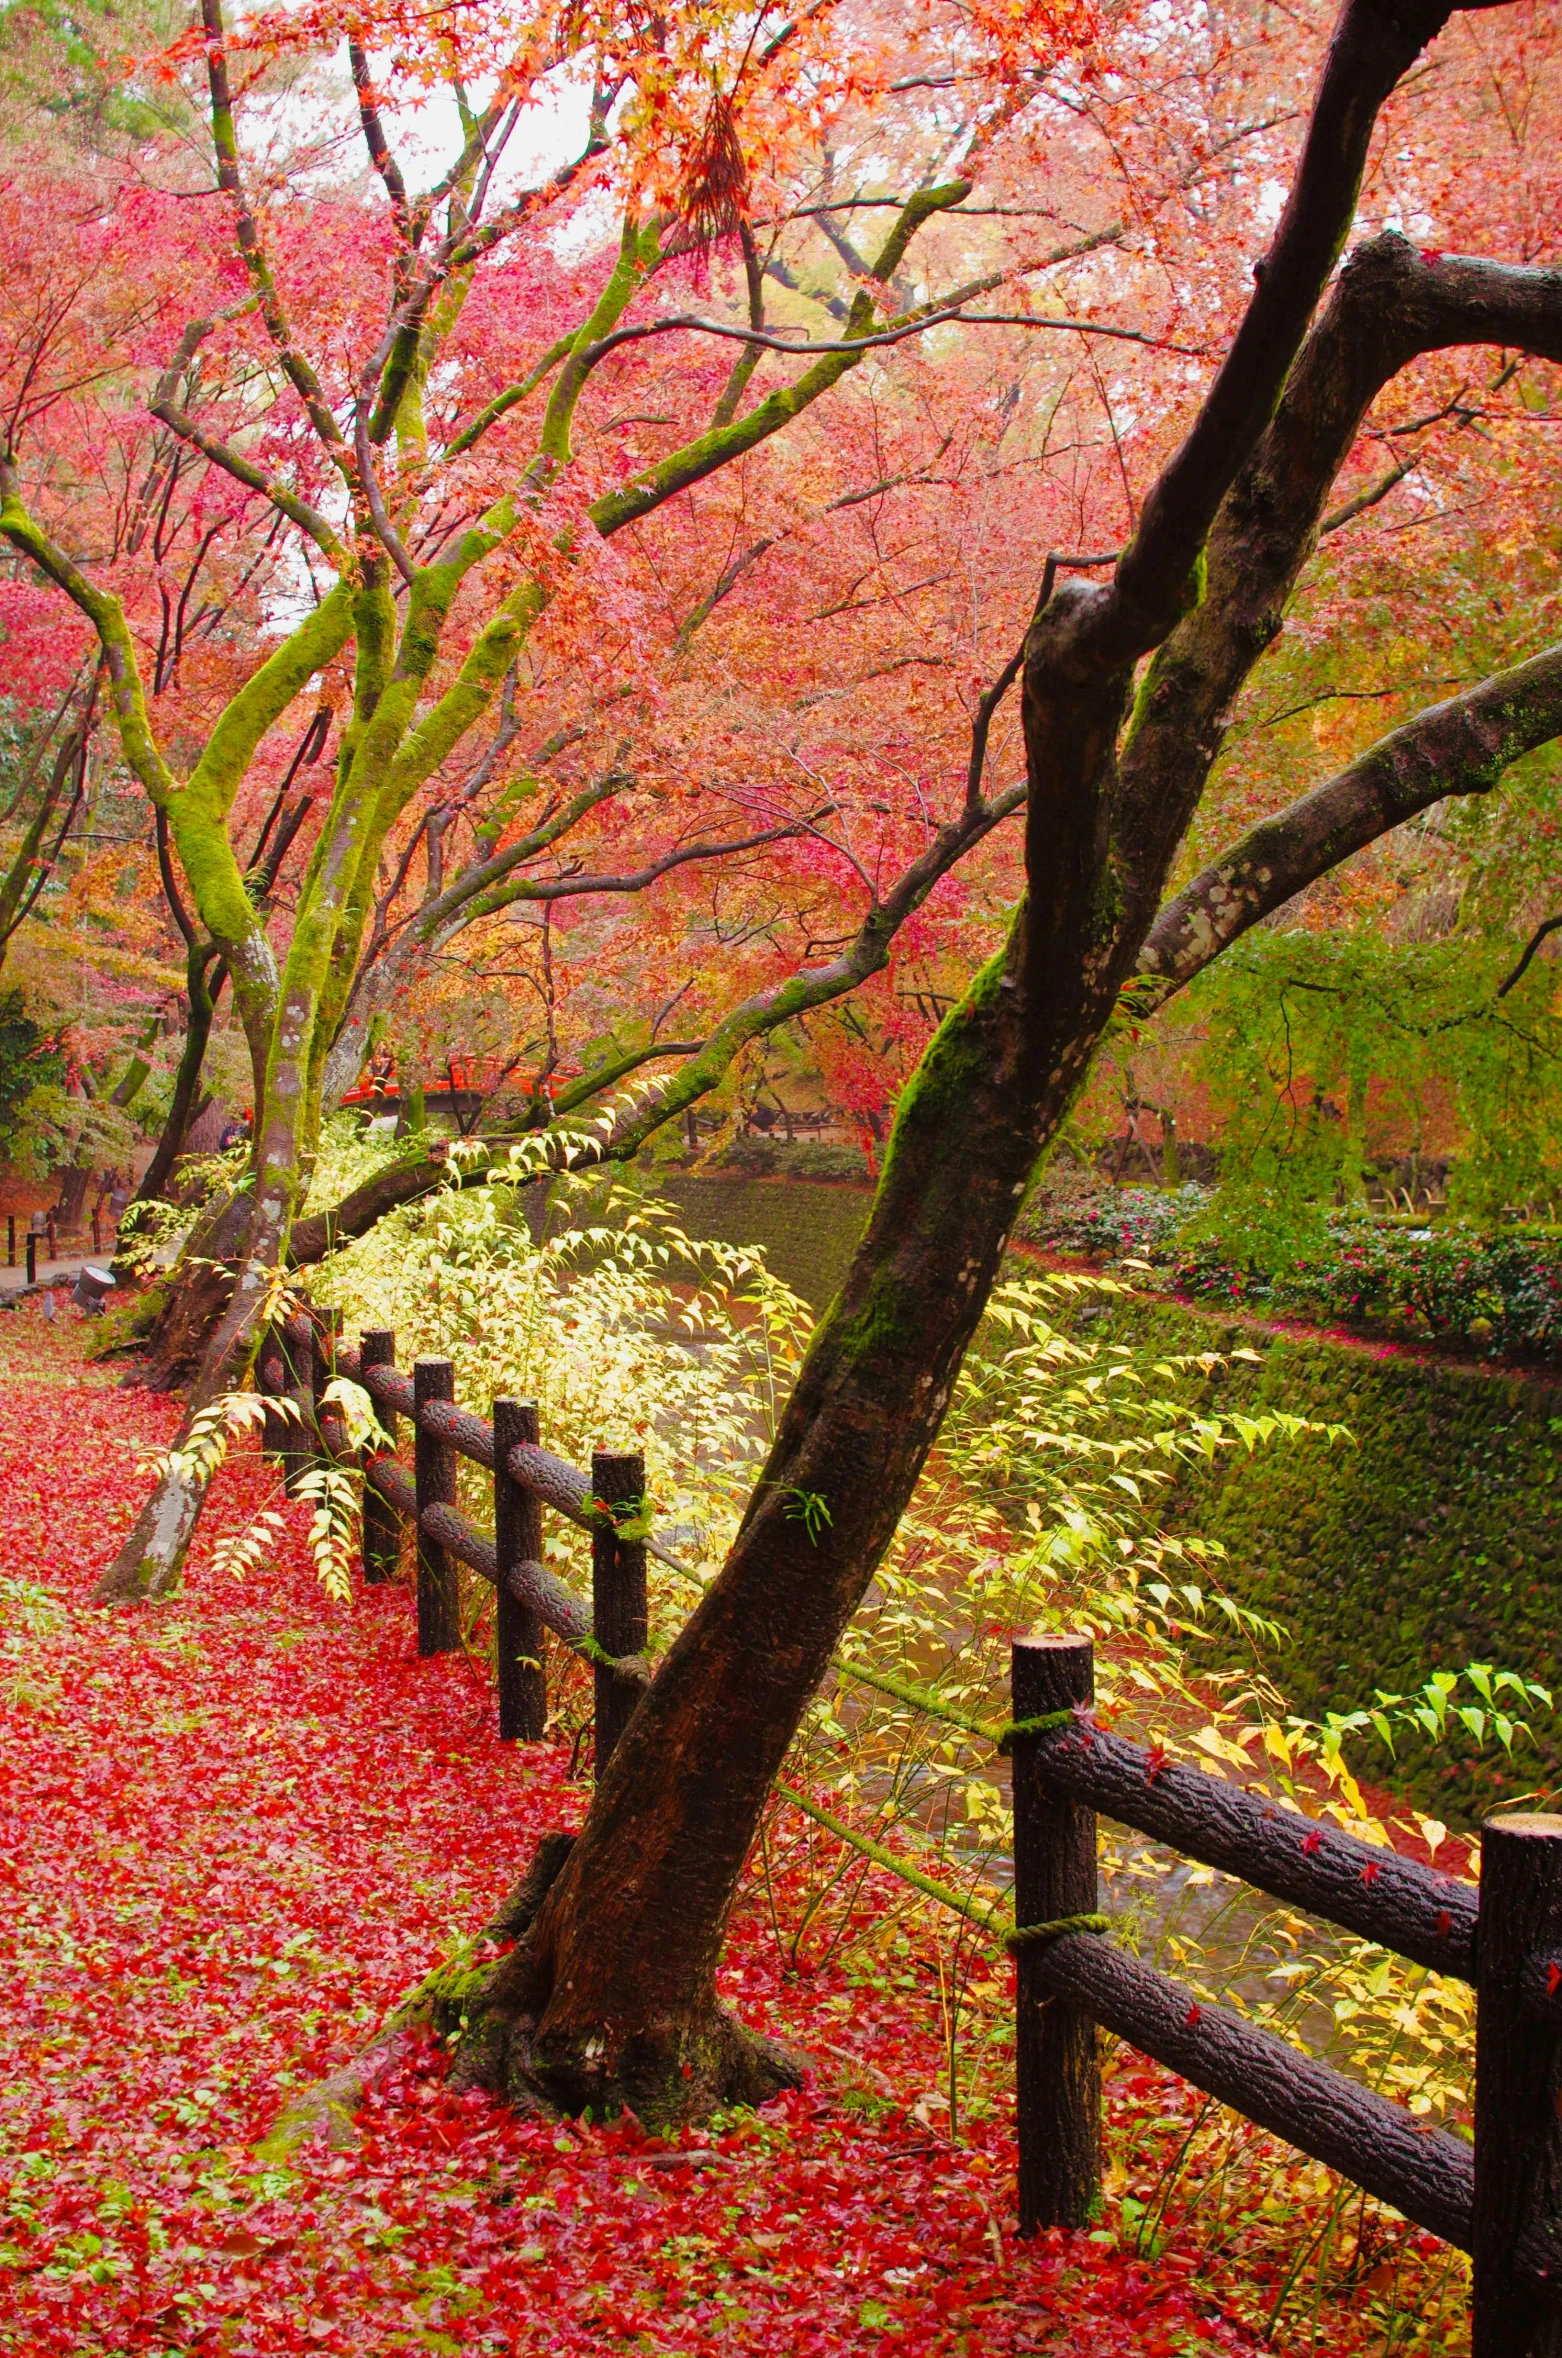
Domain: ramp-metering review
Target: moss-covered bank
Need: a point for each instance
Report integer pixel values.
(1436, 1541)
(808, 1229)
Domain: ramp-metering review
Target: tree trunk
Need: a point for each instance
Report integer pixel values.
(178, 1314)
(609, 1996)
(74, 1182)
(151, 1560)
(610, 1999)
(187, 1082)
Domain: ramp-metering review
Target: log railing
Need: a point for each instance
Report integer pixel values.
(1499, 2200)
(299, 1358)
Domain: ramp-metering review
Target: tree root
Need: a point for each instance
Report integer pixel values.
(326, 2110)
(175, 1338)
(325, 2113)
(665, 2074)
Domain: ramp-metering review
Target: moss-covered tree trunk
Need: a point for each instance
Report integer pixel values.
(231, 1299)
(611, 1997)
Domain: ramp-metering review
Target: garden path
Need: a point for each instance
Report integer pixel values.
(236, 1829)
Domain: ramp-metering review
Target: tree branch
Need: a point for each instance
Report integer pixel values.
(722, 444)
(220, 454)
(375, 140)
(1548, 925)
(764, 1012)
(247, 231)
(916, 323)
(565, 888)
(1372, 47)
(1463, 746)
(512, 396)
(1389, 305)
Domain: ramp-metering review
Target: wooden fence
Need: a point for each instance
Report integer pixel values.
(1500, 2200)
(300, 1358)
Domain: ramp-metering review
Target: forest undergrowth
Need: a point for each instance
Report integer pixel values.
(240, 1826)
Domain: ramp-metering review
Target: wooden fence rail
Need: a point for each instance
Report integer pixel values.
(1500, 2199)
(300, 1356)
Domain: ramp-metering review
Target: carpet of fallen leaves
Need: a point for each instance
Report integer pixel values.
(238, 1827)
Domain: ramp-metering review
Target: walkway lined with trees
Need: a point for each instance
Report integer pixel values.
(233, 1839)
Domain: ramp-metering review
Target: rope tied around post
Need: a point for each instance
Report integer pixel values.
(1025, 1936)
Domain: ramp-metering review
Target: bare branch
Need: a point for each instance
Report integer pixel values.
(918, 324)
(1371, 48)
(379, 147)
(369, 484)
(247, 233)
(1548, 926)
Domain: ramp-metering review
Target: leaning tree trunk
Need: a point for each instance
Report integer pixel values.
(609, 1997)
(152, 1558)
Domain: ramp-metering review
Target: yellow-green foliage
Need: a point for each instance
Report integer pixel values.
(628, 1334)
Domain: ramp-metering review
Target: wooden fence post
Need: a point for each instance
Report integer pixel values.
(381, 1523)
(434, 1472)
(618, 1603)
(1518, 2081)
(271, 1372)
(32, 1256)
(328, 1325)
(1057, 2074)
(10, 1240)
(523, 1681)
